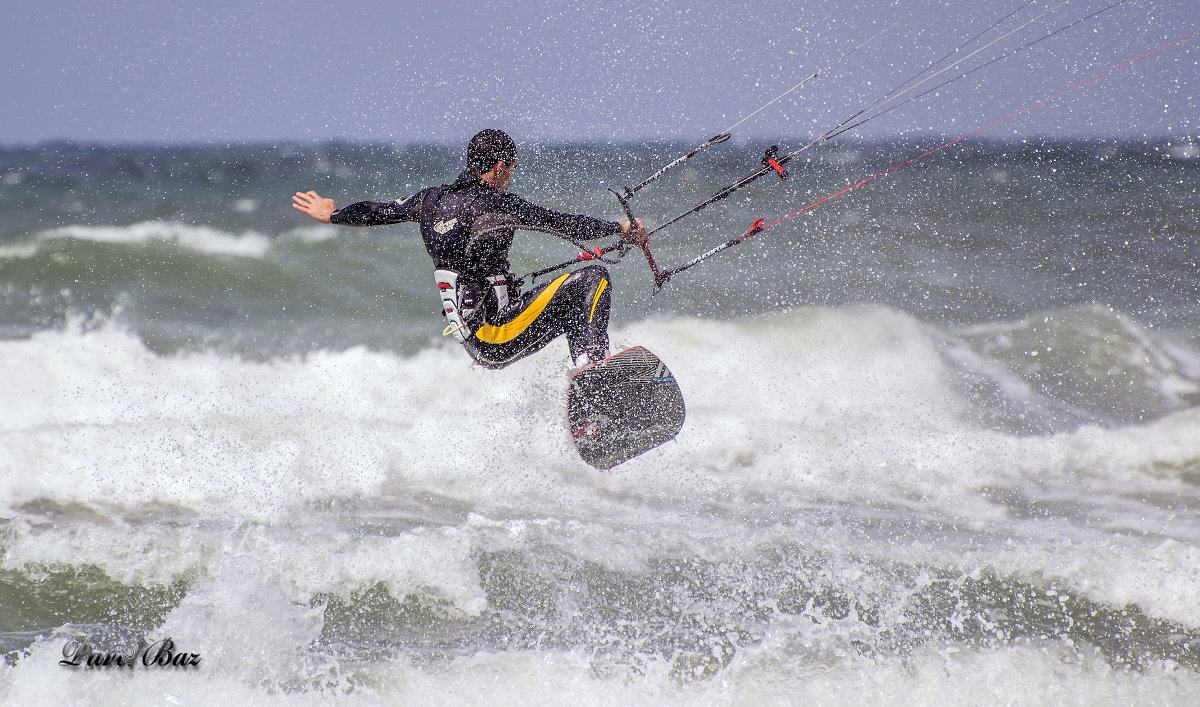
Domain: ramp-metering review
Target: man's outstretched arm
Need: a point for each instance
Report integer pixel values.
(362, 213)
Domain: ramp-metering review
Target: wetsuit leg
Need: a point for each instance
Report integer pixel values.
(575, 304)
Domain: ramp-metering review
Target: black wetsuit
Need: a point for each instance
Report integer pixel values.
(468, 228)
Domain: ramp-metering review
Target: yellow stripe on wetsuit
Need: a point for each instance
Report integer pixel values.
(596, 299)
(507, 332)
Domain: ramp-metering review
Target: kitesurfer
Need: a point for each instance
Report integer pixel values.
(468, 229)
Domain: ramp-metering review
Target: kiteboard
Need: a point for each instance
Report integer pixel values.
(623, 406)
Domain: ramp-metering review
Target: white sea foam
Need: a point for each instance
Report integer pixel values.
(25, 249)
(834, 431)
(789, 418)
(202, 239)
(313, 234)
(781, 672)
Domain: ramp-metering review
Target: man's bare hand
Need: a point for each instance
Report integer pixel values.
(636, 236)
(314, 205)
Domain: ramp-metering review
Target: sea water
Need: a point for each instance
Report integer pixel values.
(942, 440)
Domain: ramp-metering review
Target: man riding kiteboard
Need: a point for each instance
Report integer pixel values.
(468, 229)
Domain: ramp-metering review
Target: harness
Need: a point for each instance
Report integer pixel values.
(463, 294)
(460, 308)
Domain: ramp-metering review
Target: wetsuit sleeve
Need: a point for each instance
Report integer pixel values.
(575, 226)
(378, 213)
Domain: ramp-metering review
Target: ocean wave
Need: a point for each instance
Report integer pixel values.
(1076, 365)
(785, 389)
(856, 412)
(777, 620)
(1040, 672)
(862, 501)
(202, 239)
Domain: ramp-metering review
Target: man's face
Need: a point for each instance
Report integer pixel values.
(504, 174)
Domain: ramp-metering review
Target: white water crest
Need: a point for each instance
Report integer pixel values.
(202, 239)
(838, 448)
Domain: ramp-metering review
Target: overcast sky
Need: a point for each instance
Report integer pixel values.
(223, 71)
